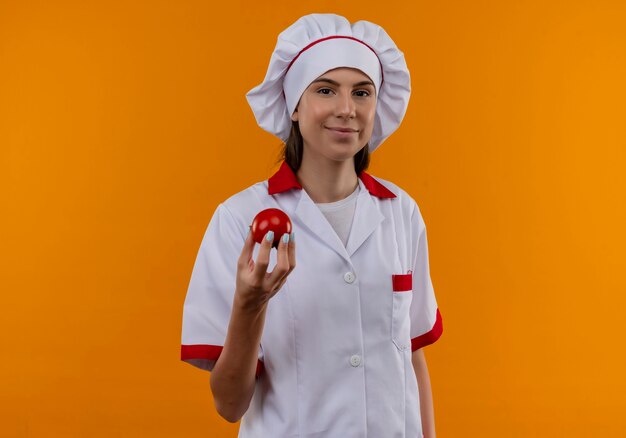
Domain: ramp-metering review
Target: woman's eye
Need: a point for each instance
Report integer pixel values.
(362, 93)
(325, 91)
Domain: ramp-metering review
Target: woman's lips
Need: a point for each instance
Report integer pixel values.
(343, 132)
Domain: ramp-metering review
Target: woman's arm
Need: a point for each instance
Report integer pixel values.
(427, 410)
(233, 376)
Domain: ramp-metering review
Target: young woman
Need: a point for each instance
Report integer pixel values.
(329, 342)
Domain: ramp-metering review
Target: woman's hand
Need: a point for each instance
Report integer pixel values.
(255, 286)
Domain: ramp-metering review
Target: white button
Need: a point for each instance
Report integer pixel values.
(349, 277)
(355, 360)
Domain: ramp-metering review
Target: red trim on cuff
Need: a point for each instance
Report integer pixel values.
(260, 367)
(210, 352)
(429, 337)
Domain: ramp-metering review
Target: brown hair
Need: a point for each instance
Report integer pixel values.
(292, 152)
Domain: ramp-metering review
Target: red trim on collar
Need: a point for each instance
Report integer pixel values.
(284, 179)
(374, 187)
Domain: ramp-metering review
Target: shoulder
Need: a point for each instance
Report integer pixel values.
(240, 199)
(405, 205)
(244, 205)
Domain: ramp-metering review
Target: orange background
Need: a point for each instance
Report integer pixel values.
(124, 124)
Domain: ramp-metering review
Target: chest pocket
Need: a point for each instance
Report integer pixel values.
(402, 285)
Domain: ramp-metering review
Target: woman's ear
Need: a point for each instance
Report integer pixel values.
(294, 116)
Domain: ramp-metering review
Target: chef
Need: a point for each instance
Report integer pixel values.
(326, 340)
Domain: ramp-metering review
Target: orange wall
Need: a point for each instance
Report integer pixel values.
(124, 124)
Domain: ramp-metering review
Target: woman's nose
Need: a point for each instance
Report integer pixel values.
(345, 105)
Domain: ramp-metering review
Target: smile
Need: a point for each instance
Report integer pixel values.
(342, 130)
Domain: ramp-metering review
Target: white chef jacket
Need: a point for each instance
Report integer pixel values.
(335, 354)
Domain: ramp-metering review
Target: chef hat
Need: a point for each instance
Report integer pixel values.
(317, 43)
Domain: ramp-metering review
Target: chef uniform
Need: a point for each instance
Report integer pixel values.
(335, 354)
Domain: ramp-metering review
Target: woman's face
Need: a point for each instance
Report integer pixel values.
(336, 114)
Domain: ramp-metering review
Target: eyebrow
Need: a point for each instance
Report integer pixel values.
(336, 84)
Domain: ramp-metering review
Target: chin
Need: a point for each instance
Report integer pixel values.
(343, 157)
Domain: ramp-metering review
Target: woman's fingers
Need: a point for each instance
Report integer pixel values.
(285, 263)
(263, 258)
(292, 252)
(280, 284)
(291, 256)
(282, 268)
(246, 253)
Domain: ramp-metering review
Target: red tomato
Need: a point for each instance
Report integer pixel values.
(271, 219)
